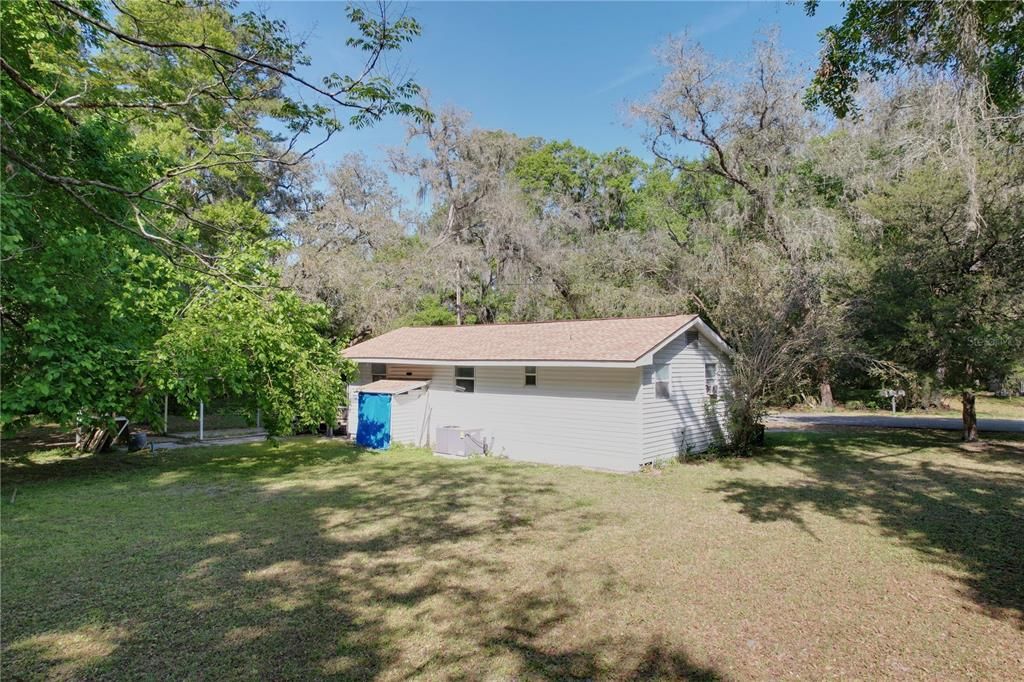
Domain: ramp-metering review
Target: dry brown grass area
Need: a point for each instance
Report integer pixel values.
(987, 405)
(831, 555)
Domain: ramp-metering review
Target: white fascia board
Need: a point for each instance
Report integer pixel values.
(645, 359)
(714, 337)
(501, 363)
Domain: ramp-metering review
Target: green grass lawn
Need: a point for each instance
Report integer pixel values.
(848, 555)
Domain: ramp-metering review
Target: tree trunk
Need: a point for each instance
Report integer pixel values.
(970, 433)
(458, 272)
(458, 294)
(825, 389)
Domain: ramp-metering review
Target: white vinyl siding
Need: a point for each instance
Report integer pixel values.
(688, 420)
(408, 410)
(409, 417)
(602, 418)
(409, 371)
(581, 416)
(404, 420)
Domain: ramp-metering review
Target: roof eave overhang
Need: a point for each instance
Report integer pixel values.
(642, 361)
(470, 362)
(399, 390)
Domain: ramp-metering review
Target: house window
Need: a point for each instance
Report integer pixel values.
(692, 338)
(711, 378)
(378, 371)
(531, 376)
(662, 374)
(465, 379)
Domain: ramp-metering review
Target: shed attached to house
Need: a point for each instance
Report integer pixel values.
(608, 394)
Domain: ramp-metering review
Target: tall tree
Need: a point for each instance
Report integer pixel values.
(760, 267)
(983, 41)
(479, 227)
(613, 227)
(357, 253)
(599, 189)
(956, 74)
(138, 170)
(939, 244)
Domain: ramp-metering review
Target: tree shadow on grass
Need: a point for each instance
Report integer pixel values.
(312, 560)
(244, 460)
(962, 509)
(655, 660)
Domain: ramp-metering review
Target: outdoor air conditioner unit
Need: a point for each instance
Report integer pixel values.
(459, 441)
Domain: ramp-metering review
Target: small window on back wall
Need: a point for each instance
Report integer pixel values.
(711, 379)
(692, 338)
(531, 376)
(662, 384)
(465, 379)
(378, 371)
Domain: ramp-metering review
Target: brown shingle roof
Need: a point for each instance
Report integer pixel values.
(611, 340)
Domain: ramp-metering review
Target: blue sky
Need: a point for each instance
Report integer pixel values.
(563, 70)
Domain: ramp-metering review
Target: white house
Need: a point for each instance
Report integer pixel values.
(609, 394)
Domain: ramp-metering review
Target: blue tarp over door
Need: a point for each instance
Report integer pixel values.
(374, 429)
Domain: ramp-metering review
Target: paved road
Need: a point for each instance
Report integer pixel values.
(790, 419)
